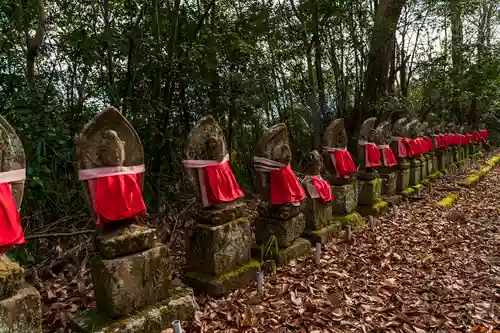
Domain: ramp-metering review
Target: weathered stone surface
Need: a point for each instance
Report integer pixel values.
(11, 277)
(221, 285)
(335, 137)
(389, 183)
(355, 220)
(369, 192)
(318, 215)
(394, 200)
(323, 235)
(22, 312)
(215, 250)
(403, 179)
(298, 249)
(152, 319)
(376, 210)
(442, 163)
(126, 284)
(435, 164)
(415, 173)
(222, 213)
(346, 198)
(125, 240)
(285, 231)
(423, 169)
(280, 212)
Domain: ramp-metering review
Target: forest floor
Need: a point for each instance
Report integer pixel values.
(427, 269)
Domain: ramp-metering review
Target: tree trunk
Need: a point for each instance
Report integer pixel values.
(379, 57)
(456, 55)
(319, 71)
(34, 45)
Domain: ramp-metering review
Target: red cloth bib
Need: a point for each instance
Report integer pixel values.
(403, 148)
(372, 155)
(11, 232)
(415, 148)
(117, 197)
(321, 189)
(220, 184)
(343, 162)
(470, 137)
(484, 133)
(285, 187)
(388, 156)
(429, 145)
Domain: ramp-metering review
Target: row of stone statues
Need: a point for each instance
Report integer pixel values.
(132, 272)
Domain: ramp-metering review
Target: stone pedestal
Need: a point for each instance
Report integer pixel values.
(283, 234)
(20, 303)
(134, 290)
(423, 169)
(415, 171)
(403, 179)
(370, 191)
(441, 157)
(219, 254)
(389, 184)
(346, 198)
(319, 221)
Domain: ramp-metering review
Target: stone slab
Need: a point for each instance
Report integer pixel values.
(423, 170)
(125, 240)
(22, 312)
(403, 179)
(222, 213)
(323, 235)
(127, 284)
(285, 231)
(318, 215)
(415, 173)
(153, 319)
(369, 192)
(395, 200)
(219, 286)
(215, 250)
(389, 183)
(355, 220)
(298, 249)
(376, 210)
(11, 277)
(346, 198)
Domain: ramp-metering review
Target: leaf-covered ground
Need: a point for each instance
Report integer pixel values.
(428, 269)
(425, 270)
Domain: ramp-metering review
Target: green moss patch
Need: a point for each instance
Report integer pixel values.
(354, 220)
(375, 210)
(448, 201)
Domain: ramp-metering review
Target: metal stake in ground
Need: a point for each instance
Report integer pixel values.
(318, 255)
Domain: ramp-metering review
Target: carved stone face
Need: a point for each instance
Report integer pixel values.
(382, 134)
(111, 150)
(314, 163)
(335, 135)
(366, 132)
(282, 153)
(399, 128)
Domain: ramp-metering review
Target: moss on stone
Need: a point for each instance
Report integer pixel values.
(11, 277)
(410, 191)
(22, 312)
(323, 235)
(471, 180)
(376, 209)
(448, 201)
(152, 319)
(354, 220)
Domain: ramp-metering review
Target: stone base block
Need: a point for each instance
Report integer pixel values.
(278, 212)
(126, 284)
(403, 179)
(395, 200)
(11, 277)
(299, 248)
(415, 173)
(216, 250)
(323, 235)
(376, 210)
(285, 231)
(355, 220)
(318, 215)
(222, 213)
(218, 286)
(369, 192)
(423, 170)
(125, 240)
(389, 184)
(346, 198)
(21, 313)
(153, 319)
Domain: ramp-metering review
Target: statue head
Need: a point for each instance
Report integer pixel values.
(111, 150)
(274, 144)
(314, 163)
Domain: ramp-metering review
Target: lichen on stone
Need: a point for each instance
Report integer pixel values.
(448, 201)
